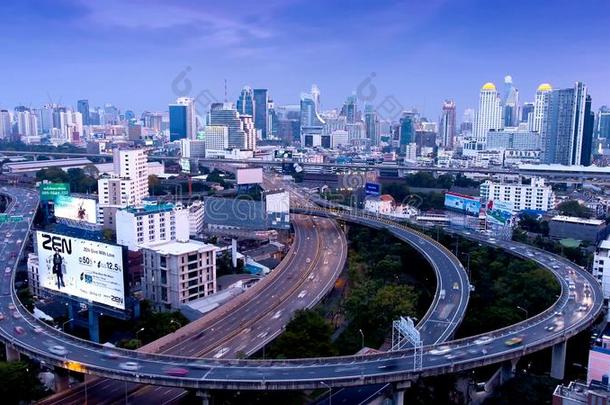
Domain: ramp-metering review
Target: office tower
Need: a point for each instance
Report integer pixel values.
(216, 137)
(350, 110)
(489, 115)
(539, 106)
(527, 109)
(182, 124)
(312, 123)
(249, 131)
(26, 123)
(5, 124)
(315, 95)
(447, 124)
(245, 102)
(152, 120)
(111, 115)
(225, 115)
(603, 123)
(510, 102)
(406, 130)
(82, 106)
(261, 111)
(129, 115)
(563, 125)
(371, 121)
(587, 133)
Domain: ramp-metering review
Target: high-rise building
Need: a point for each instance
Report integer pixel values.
(216, 138)
(5, 124)
(406, 130)
(182, 122)
(563, 125)
(489, 115)
(315, 95)
(261, 112)
(587, 133)
(312, 123)
(526, 110)
(249, 131)
(350, 110)
(539, 107)
(224, 114)
(27, 123)
(510, 103)
(447, 124)
(603, 123)
(371, 122)
(82, 106)
(245, 102)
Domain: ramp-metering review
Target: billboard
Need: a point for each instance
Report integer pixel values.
(82, 268)
(48, 191)
(372, 189)
(78, 209)
(249, 176)
(463, 203)
(283, 154)
(499, 212)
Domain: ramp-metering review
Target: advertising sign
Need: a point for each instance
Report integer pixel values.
(499, 212)
(48, 191)
(283, 154)
(372, 189)
(463, 203)
(78, 209)
(82, 268)
(249, 176)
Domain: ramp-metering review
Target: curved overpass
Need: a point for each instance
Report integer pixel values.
(85, 356)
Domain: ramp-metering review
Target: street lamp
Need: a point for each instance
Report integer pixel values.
(362, 334)
(137, 338)
(468, 262)
(330, 392)
(176, 322)
(63, 325)
(524, 310)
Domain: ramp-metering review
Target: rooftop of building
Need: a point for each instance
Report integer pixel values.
(563, 168)
(605, 244)
(177, 248)
(579, 392)
(577, 220)
(150, 208)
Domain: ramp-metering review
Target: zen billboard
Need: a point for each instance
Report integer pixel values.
(77, 209)
(463, 203)
(82, 268)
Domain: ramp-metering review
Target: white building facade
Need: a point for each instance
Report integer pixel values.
(489, 115)
(601, 266)
(536, 196)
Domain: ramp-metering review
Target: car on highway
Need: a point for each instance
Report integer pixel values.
(199, 364)
(7, 270)
(110, 354)
(484, 340)
(38, 329)
(583, 308)
(454, 355)
(514, 341)
(308, 260)
(438, 351)
(550, 327)
(302, 294)
(572, 286)
(130, 366)
(177, 371)
(558, 314)
(221, 352)
(456, 286)
(1, 316)
(19, 330)
(11, 306)
(58, 350)
(16, 315)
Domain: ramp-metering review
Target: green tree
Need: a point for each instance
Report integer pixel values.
(19, 383)
(573, 208)
(307, 334)
(52, 174)
(154, 184)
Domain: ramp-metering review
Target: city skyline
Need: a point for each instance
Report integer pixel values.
(448, 52)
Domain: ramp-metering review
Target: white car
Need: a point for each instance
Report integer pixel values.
(484, 340)
(130, 366)
(221, 352)
(302, 294)
(58, 350)
(440, 350)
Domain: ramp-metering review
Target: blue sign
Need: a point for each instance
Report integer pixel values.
(372, 189)
(462, 203)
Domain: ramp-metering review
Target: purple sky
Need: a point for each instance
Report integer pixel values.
(129, 52)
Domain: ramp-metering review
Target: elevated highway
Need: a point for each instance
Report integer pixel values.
(579, 290)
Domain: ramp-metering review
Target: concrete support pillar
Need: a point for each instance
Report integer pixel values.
(205, 397)
(12, 354)
(62, 379)
(507, 371)
(399, 397)
(94, 325)
(558, 363)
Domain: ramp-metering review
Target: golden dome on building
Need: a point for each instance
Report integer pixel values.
(545, 87)
(489, 86)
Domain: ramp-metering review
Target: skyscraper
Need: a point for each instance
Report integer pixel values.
(510, 101)
(526, 110)
(539, 106)
(5, 124)
(82, 106)
(563, 126)
(27, 123)
(350, 110)
(182, 124)
(603, 123)
(587, 133)
(224, 114)
(261, 115)
(245, 102)
(447, 125)
(371, 121)
(311, 122)
(406, 130)
(489, 115)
